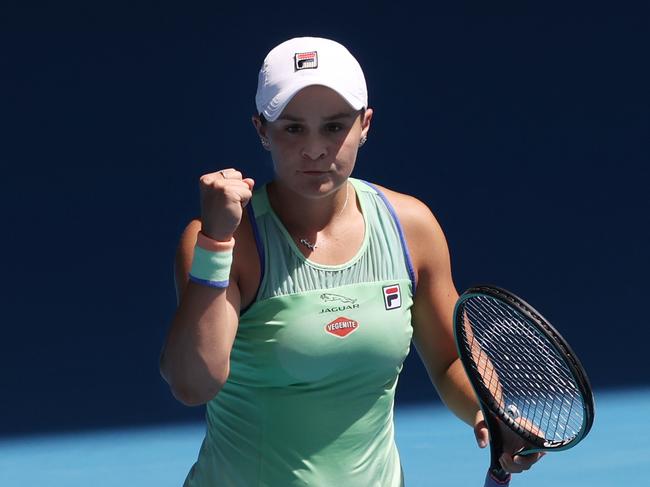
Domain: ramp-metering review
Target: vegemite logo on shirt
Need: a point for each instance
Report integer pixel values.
(306, 60)
(341, 327)
(392, 296)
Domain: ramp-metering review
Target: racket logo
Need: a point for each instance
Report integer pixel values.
(341, 327)
(306, 60)
(392, 296)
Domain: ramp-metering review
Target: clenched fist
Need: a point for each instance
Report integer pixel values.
(224, 194)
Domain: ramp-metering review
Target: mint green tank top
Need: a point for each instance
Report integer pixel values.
(313, 369)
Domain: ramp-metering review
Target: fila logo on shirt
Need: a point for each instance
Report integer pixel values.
(392, 296)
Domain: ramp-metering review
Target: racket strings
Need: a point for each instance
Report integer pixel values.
(527, 377)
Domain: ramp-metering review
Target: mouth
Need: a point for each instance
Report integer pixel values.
(314, 173)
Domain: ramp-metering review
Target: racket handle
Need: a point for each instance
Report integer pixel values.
(492, 481)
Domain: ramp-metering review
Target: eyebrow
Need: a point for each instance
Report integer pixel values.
(329, 118)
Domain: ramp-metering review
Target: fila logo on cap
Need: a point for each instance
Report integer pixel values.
(392, 296)
(306, 60)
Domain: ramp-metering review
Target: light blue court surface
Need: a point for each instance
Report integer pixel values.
(436, 450)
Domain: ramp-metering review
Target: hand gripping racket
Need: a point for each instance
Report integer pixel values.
(524, 374)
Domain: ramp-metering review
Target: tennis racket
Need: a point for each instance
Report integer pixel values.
(524, 374)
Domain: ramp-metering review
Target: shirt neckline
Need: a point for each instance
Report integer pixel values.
(294, 246)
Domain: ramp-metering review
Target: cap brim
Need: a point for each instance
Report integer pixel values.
(279, 102)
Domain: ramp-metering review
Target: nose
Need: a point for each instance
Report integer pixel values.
(314, 149)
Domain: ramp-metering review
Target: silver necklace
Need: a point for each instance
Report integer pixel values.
(313, 246)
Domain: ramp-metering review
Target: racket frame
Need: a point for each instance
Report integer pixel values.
(490, 407)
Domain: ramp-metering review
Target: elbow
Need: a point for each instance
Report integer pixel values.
(195, 390)
(191, 396)
(445, 372)
(197, 394)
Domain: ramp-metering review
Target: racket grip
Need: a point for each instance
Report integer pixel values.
(492, 481)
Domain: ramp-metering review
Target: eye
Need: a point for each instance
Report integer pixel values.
(334, 127)
(293, 128)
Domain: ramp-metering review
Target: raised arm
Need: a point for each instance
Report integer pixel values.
(196, 355)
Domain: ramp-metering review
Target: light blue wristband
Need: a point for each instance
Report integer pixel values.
(211, 268)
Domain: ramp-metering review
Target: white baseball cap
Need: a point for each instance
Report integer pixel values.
(306, 61)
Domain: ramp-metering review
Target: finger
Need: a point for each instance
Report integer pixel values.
(224, 184)
(250, 183)
(527, 461)
(482, 435)
(244, 194)
(237, 190)
(208, 179)
(232, 183)
(218, 176)
(509, 465)
(481, 432)
(230, 173)
(234, 189)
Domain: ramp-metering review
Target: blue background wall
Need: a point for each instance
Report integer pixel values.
(527, 135)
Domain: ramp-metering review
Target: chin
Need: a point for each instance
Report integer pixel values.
(316, 185)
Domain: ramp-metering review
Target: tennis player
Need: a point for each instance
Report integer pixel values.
(298, 300)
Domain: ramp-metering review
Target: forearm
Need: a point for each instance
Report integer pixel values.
(456, 392)
(196, 356)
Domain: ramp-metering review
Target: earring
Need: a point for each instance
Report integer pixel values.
(265, 142)
(363, 140)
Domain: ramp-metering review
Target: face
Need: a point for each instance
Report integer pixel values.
(314, 142)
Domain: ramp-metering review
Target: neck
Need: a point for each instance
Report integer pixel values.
(306, 217)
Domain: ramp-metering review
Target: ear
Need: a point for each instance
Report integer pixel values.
(365, 123)
(261, 132)
(259, 126)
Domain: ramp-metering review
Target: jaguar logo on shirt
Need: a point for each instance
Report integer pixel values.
(342, 327)
(337, 297)
(339, 303)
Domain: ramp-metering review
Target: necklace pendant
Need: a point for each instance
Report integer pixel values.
(313, 246)
(308, 244)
